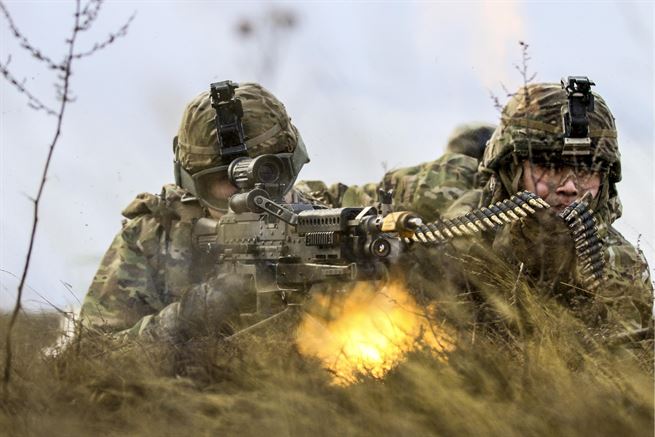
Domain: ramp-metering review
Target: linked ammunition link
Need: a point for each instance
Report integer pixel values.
(490, 218)
(588, 242)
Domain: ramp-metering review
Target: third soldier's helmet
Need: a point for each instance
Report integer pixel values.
(557, 124)
(470, 139)
(252, 122)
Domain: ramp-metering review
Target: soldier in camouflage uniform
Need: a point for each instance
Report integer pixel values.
(528, 151)
(428, 188)
(151, 266)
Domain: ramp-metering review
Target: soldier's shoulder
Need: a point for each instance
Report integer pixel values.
(621, 251)
(148, 213)
(398, 173)
(450, 161)
(467, 202)
(172, 202)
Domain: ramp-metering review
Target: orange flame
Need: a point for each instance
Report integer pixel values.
(364, 332)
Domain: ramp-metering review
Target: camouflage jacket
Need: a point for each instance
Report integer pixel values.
(427, 189)
(150, 264)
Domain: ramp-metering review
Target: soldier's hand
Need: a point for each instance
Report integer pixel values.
(210, 309)
(541, 242)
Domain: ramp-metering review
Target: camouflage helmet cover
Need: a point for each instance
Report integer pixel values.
(470, 139)
(531, 126)
(267, 128)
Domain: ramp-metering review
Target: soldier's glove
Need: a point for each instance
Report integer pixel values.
(584, 229)
(210, 309)
(542, 242)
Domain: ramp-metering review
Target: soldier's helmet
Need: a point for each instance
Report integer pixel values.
(536, 124)
(470, 139)
(266, 127)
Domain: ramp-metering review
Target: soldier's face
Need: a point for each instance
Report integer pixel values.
(221, 189)
(216, 190)
(559, 186)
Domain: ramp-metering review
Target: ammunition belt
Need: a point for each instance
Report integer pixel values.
(588, 243)
(488, 218)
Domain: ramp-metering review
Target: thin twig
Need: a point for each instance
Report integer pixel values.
(60, 116)
(33, 102)
(90, 13)
(122, 31)
(24, 43)
(83, 19)
(55, 307)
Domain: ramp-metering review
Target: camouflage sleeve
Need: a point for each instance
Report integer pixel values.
(625, 299)
(124, 288)
(441, 182)
(466, 202)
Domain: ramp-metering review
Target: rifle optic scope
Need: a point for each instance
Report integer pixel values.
(246, 172)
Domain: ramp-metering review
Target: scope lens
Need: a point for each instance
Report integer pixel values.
(268, 172)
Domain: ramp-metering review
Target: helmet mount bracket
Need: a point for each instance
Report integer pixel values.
(575, 120)
(229, 111)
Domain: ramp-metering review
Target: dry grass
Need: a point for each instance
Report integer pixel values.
(533, 373)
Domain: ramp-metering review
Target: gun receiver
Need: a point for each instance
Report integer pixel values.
(284, 249)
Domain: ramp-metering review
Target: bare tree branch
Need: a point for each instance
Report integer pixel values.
(33, 102)
(496, 102)
(83, 19)
(122, 31)
(90, 13)
(24, 43)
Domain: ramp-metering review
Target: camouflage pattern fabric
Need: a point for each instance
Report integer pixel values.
(149, 264)
(266, 125)
(427, 189)
(622, 303)
(531, 127)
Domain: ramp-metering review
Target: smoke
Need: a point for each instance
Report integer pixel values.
(488, 44)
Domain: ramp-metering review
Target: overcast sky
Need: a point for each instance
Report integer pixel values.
(365, 84)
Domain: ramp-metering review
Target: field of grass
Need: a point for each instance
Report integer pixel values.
(531, 375)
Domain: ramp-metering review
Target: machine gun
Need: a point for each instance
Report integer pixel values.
(282, 249)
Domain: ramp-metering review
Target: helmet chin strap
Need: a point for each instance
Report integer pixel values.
(509, 184)
(518, 176)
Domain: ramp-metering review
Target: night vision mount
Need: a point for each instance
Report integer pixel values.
(575, 120)
(229, 130)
